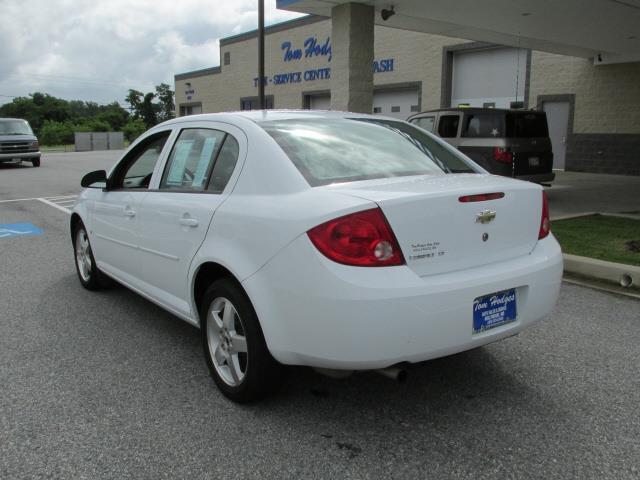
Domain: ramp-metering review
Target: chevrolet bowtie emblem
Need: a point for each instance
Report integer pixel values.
(485, 216)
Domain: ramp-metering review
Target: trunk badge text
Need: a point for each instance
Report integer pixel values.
(485, 216)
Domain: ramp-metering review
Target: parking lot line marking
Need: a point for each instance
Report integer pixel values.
(61, 197)
(38, 198)
(18, 200)
(54, 205)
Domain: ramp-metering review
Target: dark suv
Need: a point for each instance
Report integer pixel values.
(513, 143)
(17, 142)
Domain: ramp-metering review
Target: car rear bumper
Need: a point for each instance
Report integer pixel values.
(8, 157)
(319, 313)
(538, 177)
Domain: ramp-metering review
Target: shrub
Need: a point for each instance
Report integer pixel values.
(56, 133)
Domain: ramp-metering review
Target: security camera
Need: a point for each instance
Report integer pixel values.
(387, 14)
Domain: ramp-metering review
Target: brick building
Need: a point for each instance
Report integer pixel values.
(593, 109)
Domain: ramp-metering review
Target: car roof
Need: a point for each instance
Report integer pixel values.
(10, 119)
(258, 116)
(477, 110)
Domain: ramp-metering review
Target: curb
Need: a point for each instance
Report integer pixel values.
(569, 216)
(627, 276)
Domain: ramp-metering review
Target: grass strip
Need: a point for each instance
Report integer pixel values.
(608, 238)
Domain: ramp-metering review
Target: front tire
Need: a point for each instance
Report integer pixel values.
(35, 162)
(234, 346)
(88, 273)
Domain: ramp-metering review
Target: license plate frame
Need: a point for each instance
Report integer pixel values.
(494, 310)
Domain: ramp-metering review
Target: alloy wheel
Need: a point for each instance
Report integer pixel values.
(83, 255)
(227, 341)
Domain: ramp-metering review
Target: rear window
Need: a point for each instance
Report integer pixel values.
(483, 125)
(527, 125)
(338, 150)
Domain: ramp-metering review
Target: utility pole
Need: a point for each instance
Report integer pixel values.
(261, 99)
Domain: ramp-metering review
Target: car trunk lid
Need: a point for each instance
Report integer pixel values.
(439, 233)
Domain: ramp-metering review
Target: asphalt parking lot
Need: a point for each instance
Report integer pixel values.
(107, 385)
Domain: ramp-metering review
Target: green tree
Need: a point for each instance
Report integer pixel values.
(134, 99)
(133, 129)
(165, 97)
(150, 110)
(114, 115)
(152, 107)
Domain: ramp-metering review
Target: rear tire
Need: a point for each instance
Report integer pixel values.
(35, 162)
(234, 346)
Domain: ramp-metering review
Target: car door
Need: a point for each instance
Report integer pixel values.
(115, 209)
(175, 216)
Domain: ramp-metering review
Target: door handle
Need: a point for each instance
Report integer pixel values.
(189, 222)
(129, 212)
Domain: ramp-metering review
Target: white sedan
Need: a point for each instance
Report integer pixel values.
(334, 240)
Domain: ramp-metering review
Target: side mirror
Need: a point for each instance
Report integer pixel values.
(97, 179)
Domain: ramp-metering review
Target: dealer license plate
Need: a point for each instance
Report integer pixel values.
(491, 311)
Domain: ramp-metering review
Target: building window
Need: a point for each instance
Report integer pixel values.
(191, 109)
(415, 108)
(377, 109)
(395, 109)
(227, 58)
(251, 103)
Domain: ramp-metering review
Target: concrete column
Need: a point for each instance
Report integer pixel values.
(352, 62)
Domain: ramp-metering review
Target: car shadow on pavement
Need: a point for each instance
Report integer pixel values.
(140, 339)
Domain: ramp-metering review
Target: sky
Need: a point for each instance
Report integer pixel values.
(95, 50)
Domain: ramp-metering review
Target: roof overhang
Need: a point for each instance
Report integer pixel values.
(606, 30)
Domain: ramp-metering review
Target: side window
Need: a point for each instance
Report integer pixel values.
(225, 164)
(137, 166)
(448, 126)
(191, 159)
(425, 123)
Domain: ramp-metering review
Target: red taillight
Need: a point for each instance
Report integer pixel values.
(545, 223)
(502, 155)
(362, 239)
(481, 197)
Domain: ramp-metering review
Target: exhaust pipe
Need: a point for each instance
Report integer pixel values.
(333, 373)
(394, 373)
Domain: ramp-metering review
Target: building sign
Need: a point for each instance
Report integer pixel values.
(379, 66)
(312, 48)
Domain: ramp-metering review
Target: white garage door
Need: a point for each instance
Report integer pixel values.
(489, 78)
(395, 103)
(320, 102)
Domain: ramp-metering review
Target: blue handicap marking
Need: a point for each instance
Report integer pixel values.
(19, 230)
